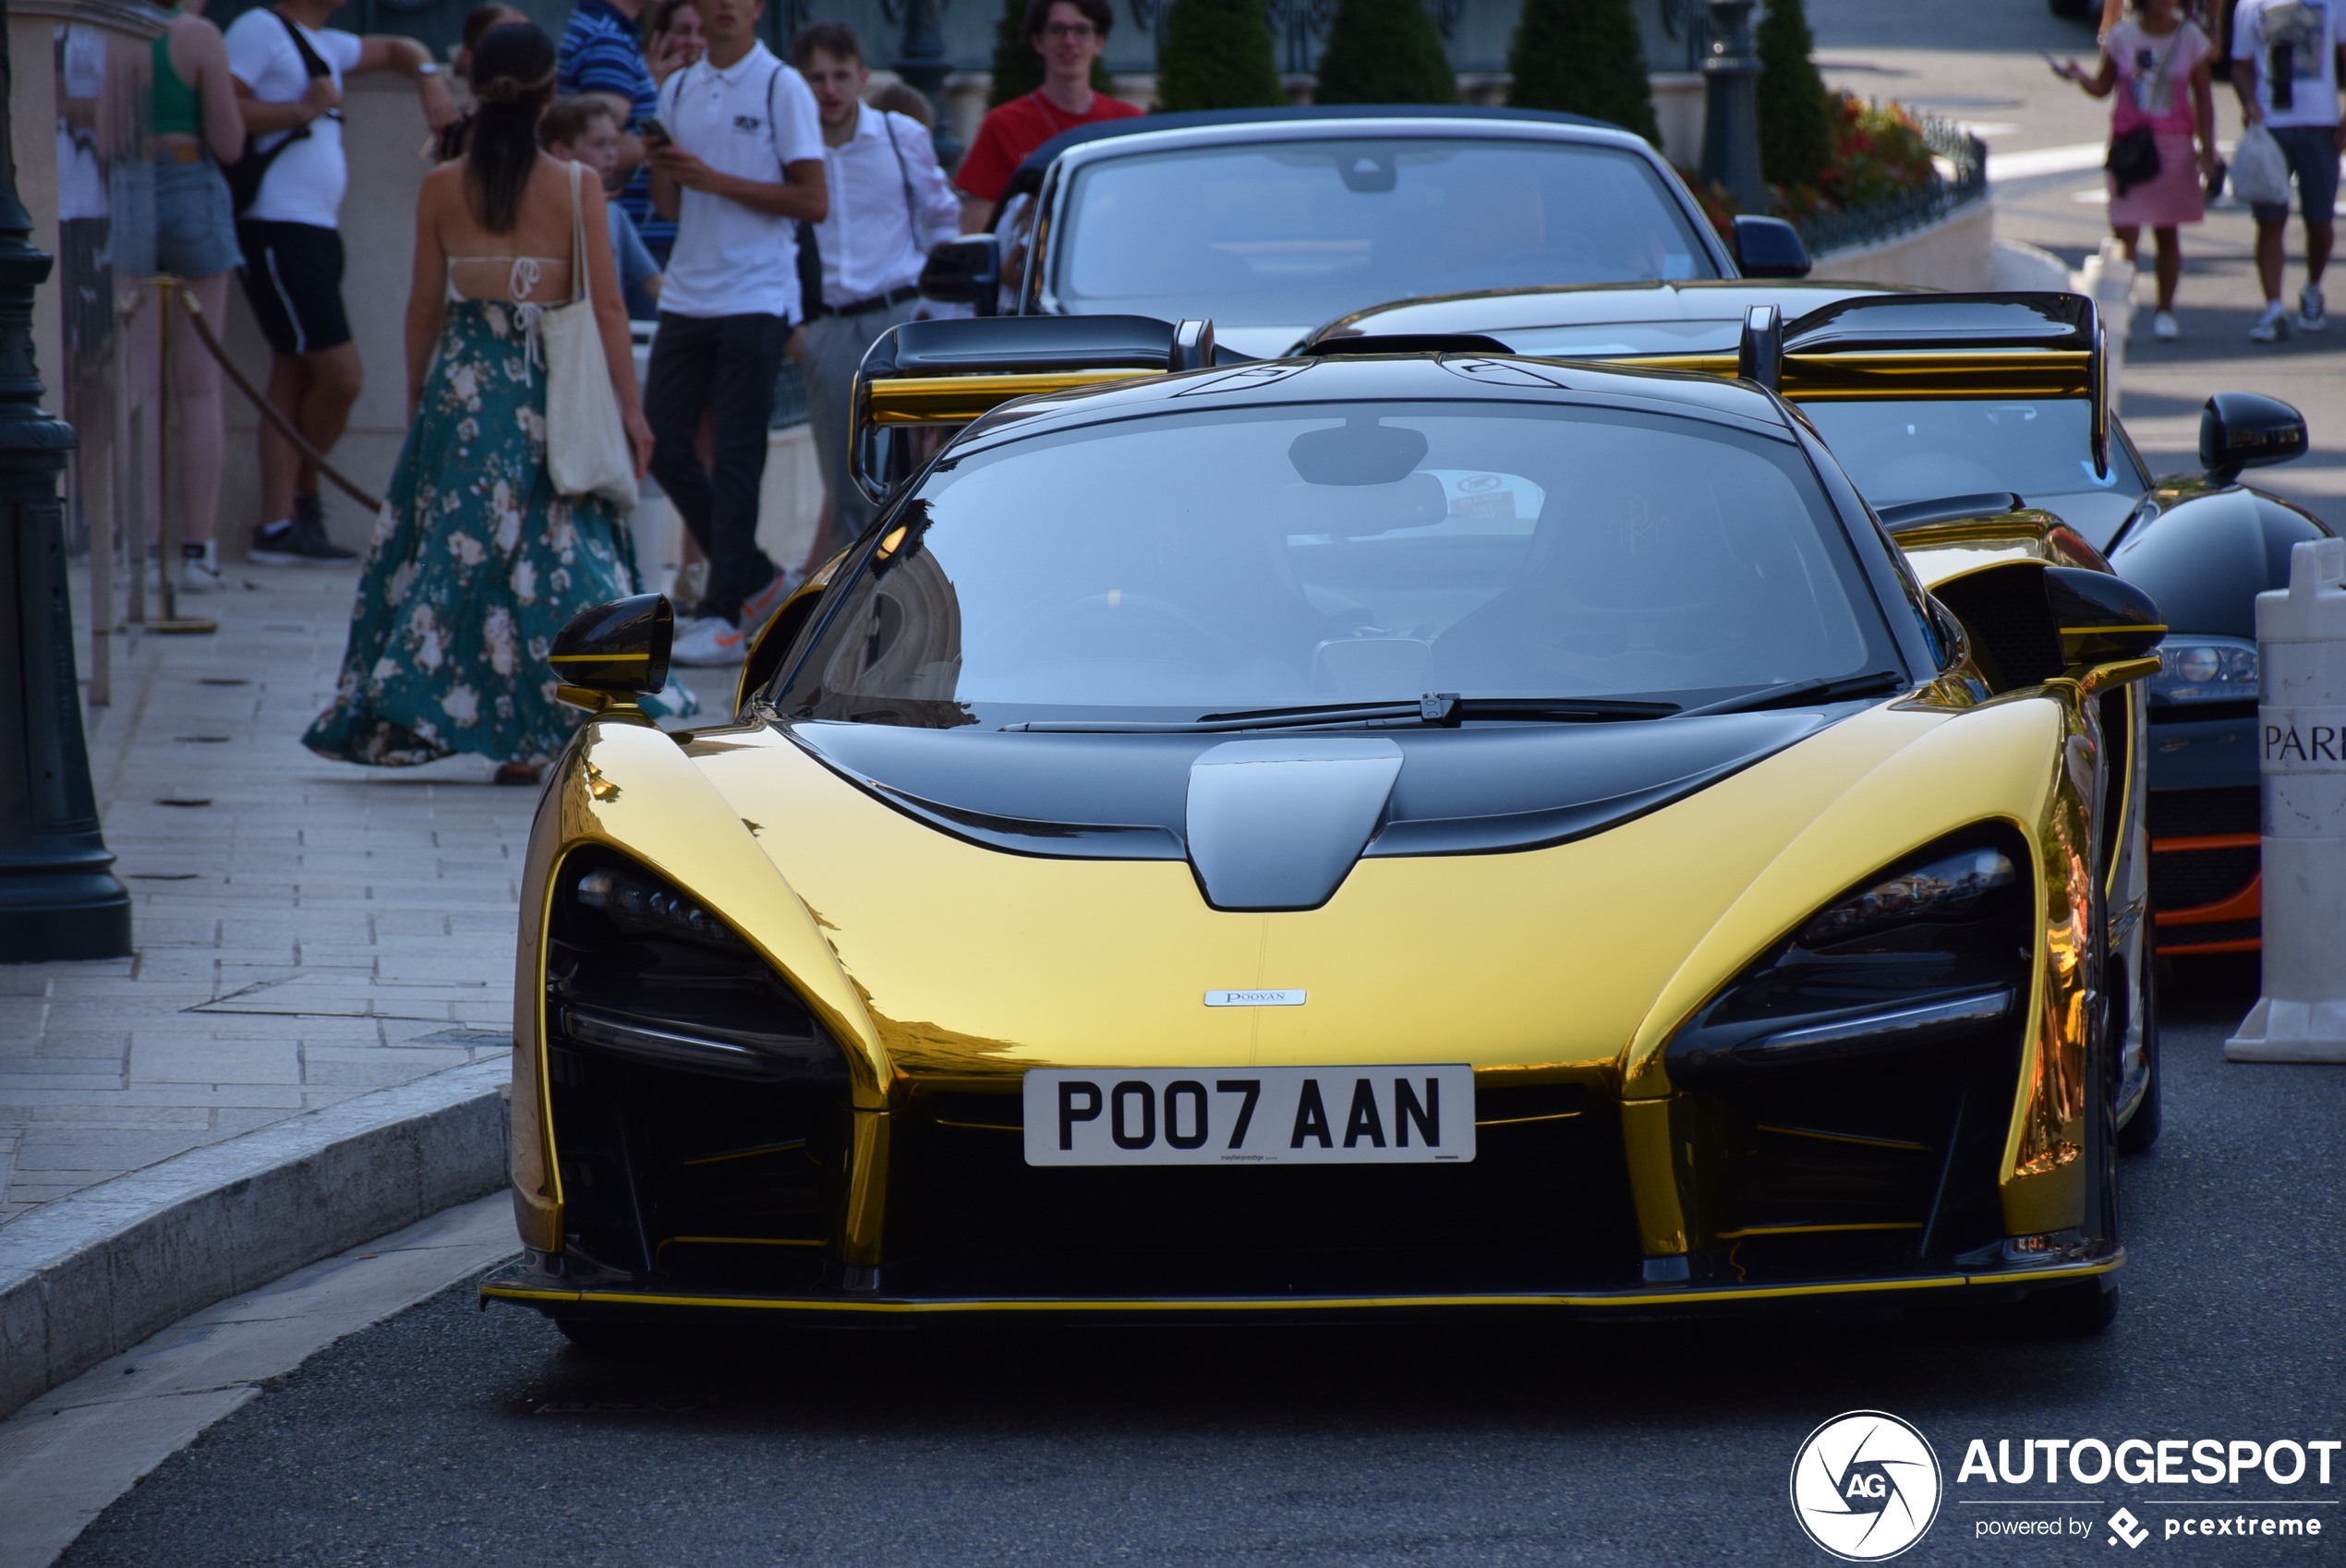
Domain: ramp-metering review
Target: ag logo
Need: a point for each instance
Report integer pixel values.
(1866, 1486)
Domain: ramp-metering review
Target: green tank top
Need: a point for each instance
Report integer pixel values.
(172, 107)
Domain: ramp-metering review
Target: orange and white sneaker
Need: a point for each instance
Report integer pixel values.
(707, 641)
(759, 607)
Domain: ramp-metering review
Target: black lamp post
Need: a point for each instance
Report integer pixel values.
(57, 898)
(920, 60)
(1731, 109)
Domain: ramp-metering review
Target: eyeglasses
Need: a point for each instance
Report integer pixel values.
(1074, 32)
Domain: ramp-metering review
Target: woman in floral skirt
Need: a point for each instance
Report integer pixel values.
(476, 563)
(2156, 62)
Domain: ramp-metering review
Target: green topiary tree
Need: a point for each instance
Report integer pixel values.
(1795, 127)
(1018, 69)
(1583, 57)
(1217, 55)
(1385, 51)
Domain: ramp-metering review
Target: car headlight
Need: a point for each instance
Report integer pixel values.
(2206, 670)
(1935, 946)
(1944, 889)
(643, 907)
(636, 968)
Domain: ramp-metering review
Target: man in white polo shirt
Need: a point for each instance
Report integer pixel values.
(743, 165)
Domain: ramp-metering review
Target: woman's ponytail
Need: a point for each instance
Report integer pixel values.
(513, 75)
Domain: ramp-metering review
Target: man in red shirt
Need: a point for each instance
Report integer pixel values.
(1068, 35)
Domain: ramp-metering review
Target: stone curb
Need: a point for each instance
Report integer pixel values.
(86, 1276)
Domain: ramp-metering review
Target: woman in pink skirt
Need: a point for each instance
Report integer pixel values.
(2156, 62)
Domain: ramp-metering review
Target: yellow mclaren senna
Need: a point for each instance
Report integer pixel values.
(1405, 830)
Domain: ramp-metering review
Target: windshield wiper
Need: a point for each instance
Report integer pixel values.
(1443, 709)
(1804, 692)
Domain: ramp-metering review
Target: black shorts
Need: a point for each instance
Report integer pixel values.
(293, 275)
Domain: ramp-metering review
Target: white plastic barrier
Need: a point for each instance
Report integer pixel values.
(2300, 719)
(2108, 279)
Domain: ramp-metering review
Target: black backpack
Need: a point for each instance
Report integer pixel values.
(246, 173)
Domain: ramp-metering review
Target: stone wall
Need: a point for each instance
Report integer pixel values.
(1957, 252)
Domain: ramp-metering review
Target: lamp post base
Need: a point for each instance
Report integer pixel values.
(63, 914)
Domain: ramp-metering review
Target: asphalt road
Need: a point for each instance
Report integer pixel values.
(449, 1436)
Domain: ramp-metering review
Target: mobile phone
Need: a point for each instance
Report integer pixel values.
(651, 130)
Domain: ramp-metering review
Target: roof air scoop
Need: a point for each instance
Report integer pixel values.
(1276, 824)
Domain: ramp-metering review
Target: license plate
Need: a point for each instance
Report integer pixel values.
(1386, 1115)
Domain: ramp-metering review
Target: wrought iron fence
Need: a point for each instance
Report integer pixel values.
(1962, 179)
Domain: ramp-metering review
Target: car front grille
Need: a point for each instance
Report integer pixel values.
(2192, 879)
(682, 1180)
(1544, 1205)
(2201, 813)
(1883, 1163)
(2206, 934)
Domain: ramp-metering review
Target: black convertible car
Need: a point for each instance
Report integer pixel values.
(2203, 544)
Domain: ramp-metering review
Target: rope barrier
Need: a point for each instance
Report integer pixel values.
(269, 410)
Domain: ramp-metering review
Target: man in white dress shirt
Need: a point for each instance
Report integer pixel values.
(741, 167)
(889, 204)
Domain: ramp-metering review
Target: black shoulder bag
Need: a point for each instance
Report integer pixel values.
(2134, 156)
(247, 172)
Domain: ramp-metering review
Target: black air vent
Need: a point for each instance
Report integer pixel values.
(2013, 635)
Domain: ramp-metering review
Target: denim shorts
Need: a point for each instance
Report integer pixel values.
(2312, 154)
(195, 227)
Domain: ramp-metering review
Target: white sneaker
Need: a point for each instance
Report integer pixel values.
(709, 640)
(200, 569)
(2272, 327)
(2163, 326)
(2309, 309)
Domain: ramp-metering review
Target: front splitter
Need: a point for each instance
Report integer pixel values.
(520, 1284)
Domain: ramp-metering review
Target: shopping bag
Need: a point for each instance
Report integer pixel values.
(587, 450)
(2259, 172)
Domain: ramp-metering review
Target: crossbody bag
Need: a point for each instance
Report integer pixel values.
(246, 173)
(2132, 158)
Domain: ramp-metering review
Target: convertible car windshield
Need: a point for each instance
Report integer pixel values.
(1903, 450)
(1299, 231)
(1178, 565)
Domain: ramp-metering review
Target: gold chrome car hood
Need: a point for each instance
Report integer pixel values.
(939, 960)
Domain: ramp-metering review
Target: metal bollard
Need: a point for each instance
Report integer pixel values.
(2301, 721)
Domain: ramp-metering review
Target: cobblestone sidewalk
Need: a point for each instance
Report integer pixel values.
(306, 930)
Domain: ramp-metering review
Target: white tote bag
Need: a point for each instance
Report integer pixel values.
(587, 448)
(2260, 174)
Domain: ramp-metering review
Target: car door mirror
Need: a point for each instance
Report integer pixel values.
(2104, 620)
(2239, 430)
(1768, 247)
(965, 272)
(609, 653)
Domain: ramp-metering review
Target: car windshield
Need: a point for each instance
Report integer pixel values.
(1295, 233)
(1917, 449)
(1175, 565)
